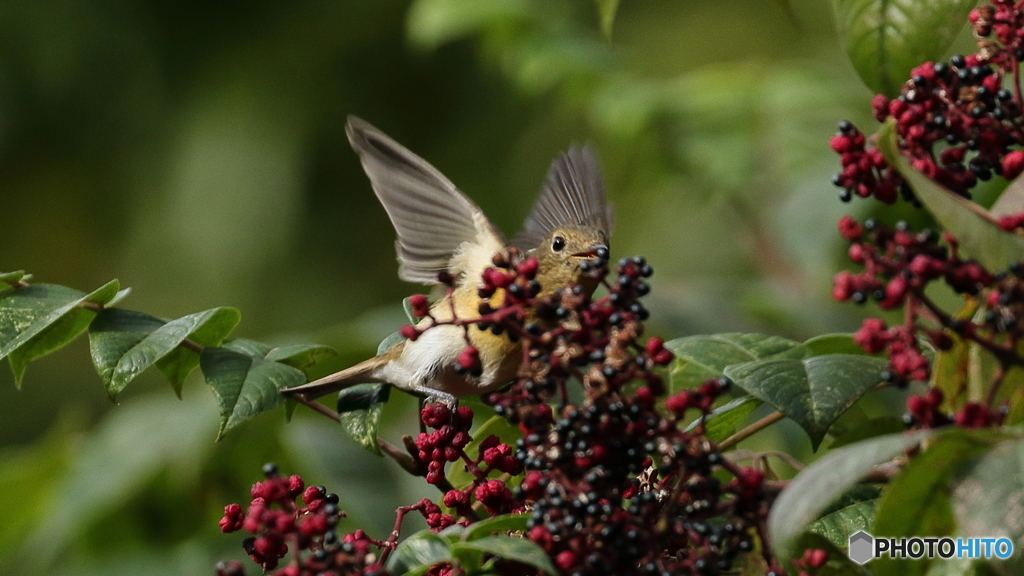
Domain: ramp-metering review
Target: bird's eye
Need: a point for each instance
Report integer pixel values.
(558, 243)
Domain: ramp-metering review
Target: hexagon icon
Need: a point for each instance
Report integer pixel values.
(861, 547)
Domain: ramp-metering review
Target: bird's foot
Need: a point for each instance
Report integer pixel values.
(444, 398)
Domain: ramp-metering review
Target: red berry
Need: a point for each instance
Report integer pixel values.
(469, 358)
(419, 304)
(565, 560)
(849, 228)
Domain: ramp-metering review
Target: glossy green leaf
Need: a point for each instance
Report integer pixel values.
(180, 362)
(606, 10)
(510, 548)
(839, 525)
(253, 348)
(825, 480)
(245, 386)
(418, 553)
(917, 501)
(885, 39)
(496, 525)
(125, 343)
(987, 500)
(979, 235)
(723, 421)
(301, 356)
(362, 397)
(112, 335)
(40, 318)
(699, 358)
(833, 344)
(815, 391)
(359, 408)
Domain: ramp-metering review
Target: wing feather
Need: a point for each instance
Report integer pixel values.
(433, 219)
(573, 195)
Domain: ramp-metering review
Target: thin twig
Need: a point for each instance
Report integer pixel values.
(751, 430)
(318, 407)
(997, 380)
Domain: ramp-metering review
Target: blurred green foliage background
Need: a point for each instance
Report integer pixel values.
(196, 151)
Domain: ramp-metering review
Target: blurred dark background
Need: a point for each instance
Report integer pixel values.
(196, 151)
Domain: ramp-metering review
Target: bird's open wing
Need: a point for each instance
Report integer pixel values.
(431, 216)
(573, 195)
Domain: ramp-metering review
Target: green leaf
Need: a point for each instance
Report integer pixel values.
(885, 39)
(510, 548)
(869, 428)
(245, 386)
(606, 10)
(362, 397)
(723, 421)
(407, 308)
(917, 503)
(181, 361)
(125, 343)
(839, 525)
(389, 342)
(112, 335)
(418, 553)
(815, 391)
(253, 348)
(826, 479)
(700, 358)
(40, 318)
(359, 408)
(496, 524)
(833, 344)
(979, 235)
(987, 500)
(1011, 201)
(300, 356)
(12, 278)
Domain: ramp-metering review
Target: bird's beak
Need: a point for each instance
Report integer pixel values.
(595, 251)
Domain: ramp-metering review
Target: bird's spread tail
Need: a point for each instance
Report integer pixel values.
(361, 373)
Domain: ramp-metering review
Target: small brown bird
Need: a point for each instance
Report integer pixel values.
(440, 230)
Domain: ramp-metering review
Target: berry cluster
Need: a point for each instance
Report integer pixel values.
(957, 122)
(613, 484)
(281, 525)
(447, 443)
(899, 265)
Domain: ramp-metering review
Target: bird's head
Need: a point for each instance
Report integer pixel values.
(560, 254)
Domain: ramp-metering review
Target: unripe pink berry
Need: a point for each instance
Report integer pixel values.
(1013, 164)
